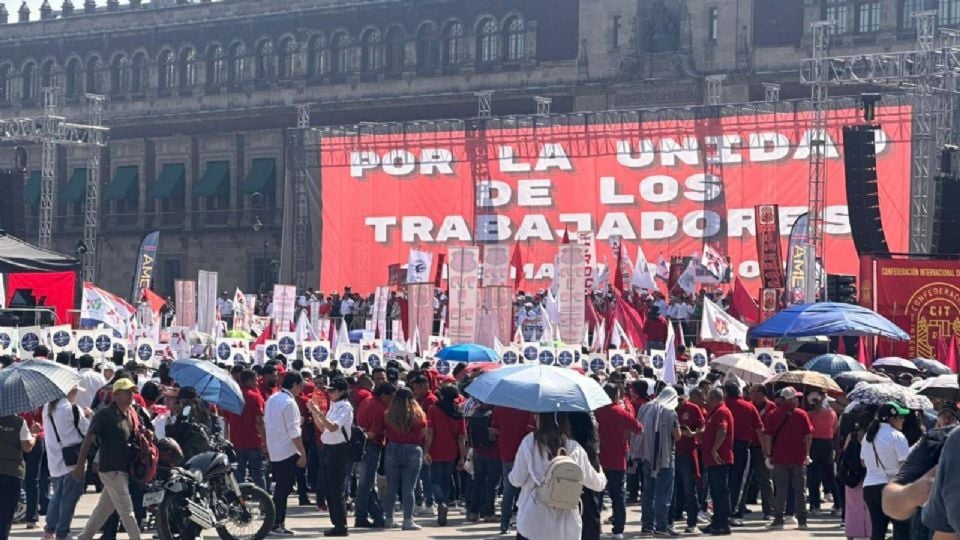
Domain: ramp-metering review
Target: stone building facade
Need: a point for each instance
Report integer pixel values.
(200, 95)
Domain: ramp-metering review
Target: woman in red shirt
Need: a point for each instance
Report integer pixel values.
(446, 441)
(404, 425)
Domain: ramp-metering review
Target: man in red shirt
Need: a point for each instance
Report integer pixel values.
(691, 419)
(747, 428)
(247, 434)
(655, 327)
(614, 426)
(509, 426)
(758, 468)
(717, 442)
(268, 382)
(787, 444)
(369, 512)
(824, 422)
(362, 391)
(637, 396)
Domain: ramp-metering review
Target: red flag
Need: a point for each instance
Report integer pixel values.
(631, 321)
(155, 300)
(951, 360)
(742, 306)
(438, 274)
(566, 237)
(942, 352)
(516, 262)
(263, 337)
(842, 345)
(862, 357)
(618, 274)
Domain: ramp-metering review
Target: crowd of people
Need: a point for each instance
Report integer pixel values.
(696, 457)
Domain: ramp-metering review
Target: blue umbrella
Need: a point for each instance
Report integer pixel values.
(827, 319)
(539, 388)
(468, 352)
(833, 364)
(355, 336)
(212, 384)
(28, 385)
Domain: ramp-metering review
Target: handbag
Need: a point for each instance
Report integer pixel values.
(71, 454)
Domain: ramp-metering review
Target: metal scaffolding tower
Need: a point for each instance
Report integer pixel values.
(49, 130)
(91, 205)
(711, 150)
(817, 174)
(301, 223)
(476, 147)
(771, 92)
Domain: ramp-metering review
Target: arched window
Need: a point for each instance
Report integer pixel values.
(216, 66)
(318, 59)
(93, 76)
(166, 70)
(514, 34)
(488, 42)
(237, 68)
(46, 74)
(266, 61)
(395, 57)
(453, 44)
(372, 58)
(428, 46)
(74, 84)
(187, 68)
(5, 82)
(29, 80)
(119, 74)
(287, 67)
(138, 72)
(341, 53)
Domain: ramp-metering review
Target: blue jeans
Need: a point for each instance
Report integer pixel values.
(441, 476)
(687, 483)
(617, 502)
(510, 493)
(402, 466)
(66, 493)
(426, 485)
(657, 497)
(368, 503)
(486, 475)
(250, 460)
(36, 483)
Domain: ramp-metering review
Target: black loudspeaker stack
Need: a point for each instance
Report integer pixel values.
(11, 201)
(946, 216)
(863, 197)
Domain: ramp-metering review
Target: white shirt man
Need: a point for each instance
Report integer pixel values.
(69, 427)
(346, 307)
(680, 311)
(90, 383)
(281, 418)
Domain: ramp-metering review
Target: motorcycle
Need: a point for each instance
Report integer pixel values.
(204, 494)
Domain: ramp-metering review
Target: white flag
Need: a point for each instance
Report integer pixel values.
(642, 278)
(599, 334)
(669, 374)
(663, 269)
(713, 262)
(719, 326)
(688, 279)
(342, 337)
(304, 330)
(418, 266)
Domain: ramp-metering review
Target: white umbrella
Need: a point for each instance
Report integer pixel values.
(895, 362)
(743, 365)
(943, 386)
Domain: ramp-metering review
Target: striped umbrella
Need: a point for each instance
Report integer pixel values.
(833, 364)
(28, 385)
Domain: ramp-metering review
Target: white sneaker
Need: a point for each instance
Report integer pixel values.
(617, 536)
(426, 511)
(704, 517)
(790, 520)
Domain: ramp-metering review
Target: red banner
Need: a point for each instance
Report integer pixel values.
(644, 182)
(921, 297)
(768, 246)
(55, 290)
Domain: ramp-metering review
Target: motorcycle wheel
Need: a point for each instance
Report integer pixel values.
(170, 522)
(252, 521)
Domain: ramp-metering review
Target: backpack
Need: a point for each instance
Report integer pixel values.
(849, 469)
(356, 442)
(562, 484)
(478, 429)
(145, 454)
(192, 437)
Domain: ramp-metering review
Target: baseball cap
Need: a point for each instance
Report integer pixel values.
(124, 385)
(890, 409)
(790, 393)
(393, 374)
(339, 383)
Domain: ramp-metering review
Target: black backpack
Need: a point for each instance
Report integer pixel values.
(849, 469)
(478, 429)
(356, 442)
(192, 437)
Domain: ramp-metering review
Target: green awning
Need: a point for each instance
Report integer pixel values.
(169, 183)
(215, 181)
(73, 191)
(31, 191)
(261, 178)
(124, 186)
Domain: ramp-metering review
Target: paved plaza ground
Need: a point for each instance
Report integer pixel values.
(309, 523)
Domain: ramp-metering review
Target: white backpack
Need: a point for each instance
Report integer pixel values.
(562, 484)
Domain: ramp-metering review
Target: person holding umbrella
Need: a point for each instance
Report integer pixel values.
(15, 440)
